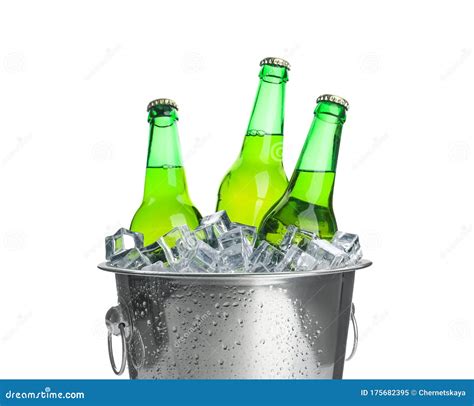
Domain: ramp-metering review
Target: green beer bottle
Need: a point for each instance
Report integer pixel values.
(166, 203)
(307, 203)
(257, 179)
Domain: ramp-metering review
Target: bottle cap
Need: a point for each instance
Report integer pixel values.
(275, 62)
(162, 102)
(334, 99)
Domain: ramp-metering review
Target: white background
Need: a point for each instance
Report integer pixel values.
(75, 79)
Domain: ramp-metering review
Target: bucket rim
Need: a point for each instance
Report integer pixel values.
(364, 263)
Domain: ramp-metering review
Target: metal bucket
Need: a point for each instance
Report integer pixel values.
(233, 326)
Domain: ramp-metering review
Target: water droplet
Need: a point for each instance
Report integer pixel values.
(217, 305)
(174, 329)
(226, 304)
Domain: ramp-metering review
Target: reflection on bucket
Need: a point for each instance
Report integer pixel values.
(217, 326)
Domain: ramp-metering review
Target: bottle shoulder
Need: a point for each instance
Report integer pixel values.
(305, 215)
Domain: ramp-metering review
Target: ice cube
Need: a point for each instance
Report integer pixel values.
(296, 259)
(349, 243)
(249, 232)
(122, 241)
(235, 250)
(295, 236)
(130, 259)
(158, 267)
(178, 244)
(259, 268)
(219, 220)
(267, 256)
(327, 255)
(204, 258)
(213, 226)
(154, 252)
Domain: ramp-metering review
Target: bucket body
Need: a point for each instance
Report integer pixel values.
(237, 326)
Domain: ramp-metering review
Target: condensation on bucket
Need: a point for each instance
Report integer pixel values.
(205, 328)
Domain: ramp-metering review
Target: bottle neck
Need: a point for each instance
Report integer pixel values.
(263, 140)
(314, 175)
(163, 148)
(321, 147)
(165, 174)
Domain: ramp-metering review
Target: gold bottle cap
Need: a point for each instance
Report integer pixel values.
(163, 102)
(334, 99)
(275, 62)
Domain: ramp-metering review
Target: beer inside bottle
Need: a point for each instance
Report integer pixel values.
(307, 203)
(257, 178)
(166, 203)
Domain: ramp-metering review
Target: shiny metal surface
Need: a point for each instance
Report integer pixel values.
(164, 102)
(225, 326)
(355, 330)
(335, 99)
(275, 62)
(123, 363)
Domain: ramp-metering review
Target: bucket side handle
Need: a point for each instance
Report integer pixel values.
(355, 329)
(117, 324)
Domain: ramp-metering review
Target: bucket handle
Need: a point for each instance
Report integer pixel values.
(111, 352)
(355, 330)
(117, 324)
